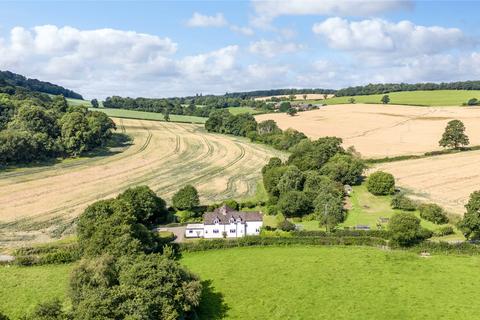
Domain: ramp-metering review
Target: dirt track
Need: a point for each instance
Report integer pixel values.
(165, 156)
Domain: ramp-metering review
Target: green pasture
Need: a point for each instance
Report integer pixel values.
(420, 98)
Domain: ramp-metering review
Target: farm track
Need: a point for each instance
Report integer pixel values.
(165, 156)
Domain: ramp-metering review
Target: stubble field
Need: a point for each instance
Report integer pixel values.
(382, 130)
(446, 180)
(164, 156)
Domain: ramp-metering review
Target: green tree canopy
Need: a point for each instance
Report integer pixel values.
(148, 208)
(454, 135)
(312, 155)
(186, 198)
(385, 99)
(316, 183)
(344, 168)
(470, 224)
(294, 204)
(381, 183)
(291, 180)
(329, 209)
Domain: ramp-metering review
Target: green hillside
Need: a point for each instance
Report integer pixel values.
(421, 98)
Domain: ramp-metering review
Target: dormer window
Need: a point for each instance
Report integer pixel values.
(239, 220)
(232, 220)
(216, 220)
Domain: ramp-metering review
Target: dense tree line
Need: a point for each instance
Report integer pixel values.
(34, 126)
(277, 92)
(200, 106)
(381, 88)
(16, 80)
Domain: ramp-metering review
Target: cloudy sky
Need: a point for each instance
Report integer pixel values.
(171, 48)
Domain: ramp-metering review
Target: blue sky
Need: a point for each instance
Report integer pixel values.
(169, 48)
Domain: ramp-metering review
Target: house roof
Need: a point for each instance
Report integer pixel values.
(194, 226)
(224, 214)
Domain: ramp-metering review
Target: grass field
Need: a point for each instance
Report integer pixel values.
(377, 131)
(38, 201)
(336, 283)
(297, 283)
(143, 115)
(418, 98)
(23, 287)
(240, 110)
(78, 102)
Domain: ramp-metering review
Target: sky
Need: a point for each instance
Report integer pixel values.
(178, 48)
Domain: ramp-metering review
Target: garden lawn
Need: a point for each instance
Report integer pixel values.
(419, 98)
(21, 288)
(143, 115)
(335, 283)
(366, 209)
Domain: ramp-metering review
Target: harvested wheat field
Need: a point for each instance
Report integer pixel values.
(446, 180)
(382, 130)
(165, 156)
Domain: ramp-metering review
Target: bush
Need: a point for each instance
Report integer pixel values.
(3, 317)
(50, 310)
(286, 225)
(271, 210)
(381, 183)
(443, 231)
(47, 254)
(401, 202)
(231, 204)
(185, 216)
(406, 230)
(473, 102)
(433, 213)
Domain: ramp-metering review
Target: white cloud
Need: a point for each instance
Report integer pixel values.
(375, 35)
(270, 49)
(200, 20)
(246, 31)
(267, 10)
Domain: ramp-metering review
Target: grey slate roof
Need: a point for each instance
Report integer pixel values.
(224, 214)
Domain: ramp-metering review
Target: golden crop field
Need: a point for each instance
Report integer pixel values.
(446, 180)
(381, 130)
(164, 156)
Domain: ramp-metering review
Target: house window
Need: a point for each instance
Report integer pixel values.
(232, 230)
(190, 231)
(215, 221)
(257, 230)
(216, 231)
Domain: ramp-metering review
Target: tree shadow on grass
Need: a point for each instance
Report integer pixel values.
(212, 305)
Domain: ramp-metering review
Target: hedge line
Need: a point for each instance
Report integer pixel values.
(202, 245)
(50, 254)
(383, 234)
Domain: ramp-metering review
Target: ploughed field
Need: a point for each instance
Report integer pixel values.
(382, 130)
(296, 283)
(165, 156)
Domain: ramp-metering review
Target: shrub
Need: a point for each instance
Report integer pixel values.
(381, 183)
(406, 230)
(473, 102)
(3, 317)
(271, 210)
(50, 310)
(443, 231)
(433, 213)
(470, 224)
(286, 225)
(185, 216)
(231, 204)
(401, 202)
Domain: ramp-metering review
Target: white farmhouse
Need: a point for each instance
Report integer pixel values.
(224, 222)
